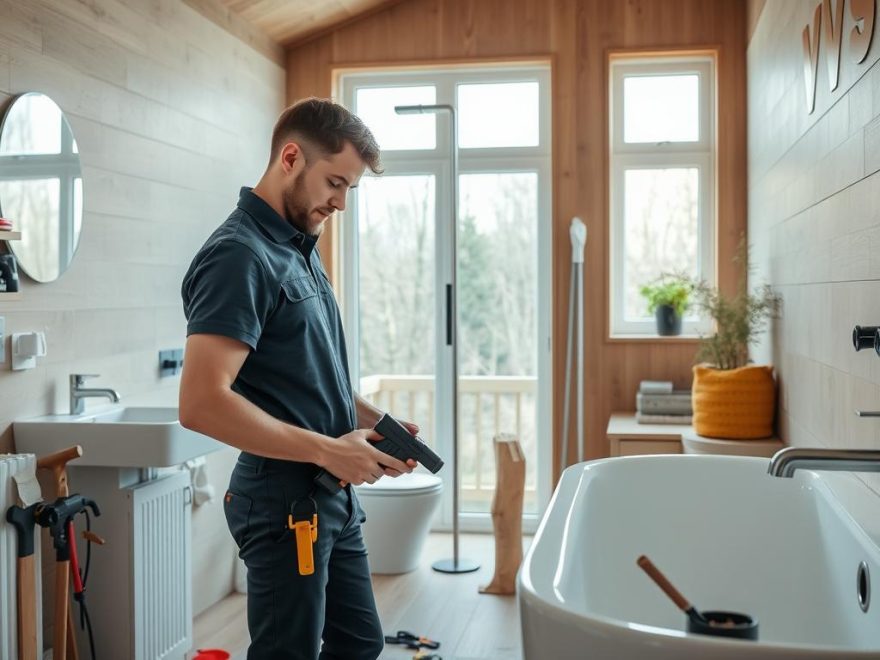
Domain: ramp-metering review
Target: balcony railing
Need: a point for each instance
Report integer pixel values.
(488, 405)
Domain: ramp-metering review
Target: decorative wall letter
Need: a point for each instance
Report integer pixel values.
(833, 24)
(862, 12)
(811, 58)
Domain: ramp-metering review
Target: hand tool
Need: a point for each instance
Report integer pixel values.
(22, 518)
(397, 442)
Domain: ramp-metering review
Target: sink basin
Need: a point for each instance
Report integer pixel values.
(117, 437)
(726, 534)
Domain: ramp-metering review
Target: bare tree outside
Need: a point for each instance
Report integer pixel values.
(497, 288)
(662, 230)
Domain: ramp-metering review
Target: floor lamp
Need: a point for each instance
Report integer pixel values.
(456, 564)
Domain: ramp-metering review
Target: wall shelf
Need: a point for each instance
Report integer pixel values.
(8, 296)
(10, 235)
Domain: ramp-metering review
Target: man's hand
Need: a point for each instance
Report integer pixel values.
(409, 426)
(353, 458)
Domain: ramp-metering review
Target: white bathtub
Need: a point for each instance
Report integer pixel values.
(729, 536)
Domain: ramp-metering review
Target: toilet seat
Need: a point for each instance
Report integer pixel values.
(399, 512)
(414, 483)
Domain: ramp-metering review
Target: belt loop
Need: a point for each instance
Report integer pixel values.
(261, 464)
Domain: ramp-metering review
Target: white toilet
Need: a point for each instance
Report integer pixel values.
(399, 512)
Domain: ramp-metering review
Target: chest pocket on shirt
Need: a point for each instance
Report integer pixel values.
(302, 312)
(299, 289)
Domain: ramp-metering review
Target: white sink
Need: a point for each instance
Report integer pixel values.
(726, 534)
(117, 437)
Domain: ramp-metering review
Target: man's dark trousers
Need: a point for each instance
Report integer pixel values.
(288, 613)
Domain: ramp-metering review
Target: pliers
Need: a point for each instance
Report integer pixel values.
(412, 641)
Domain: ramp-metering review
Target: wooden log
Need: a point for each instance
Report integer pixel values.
(507, 507)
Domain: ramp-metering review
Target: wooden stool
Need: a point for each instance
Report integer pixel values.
(507, 506)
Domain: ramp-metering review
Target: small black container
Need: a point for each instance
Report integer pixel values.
(727, 624)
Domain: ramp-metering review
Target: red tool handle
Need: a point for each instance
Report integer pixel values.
(74, 562)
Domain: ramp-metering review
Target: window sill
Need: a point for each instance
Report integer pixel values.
(652, 339)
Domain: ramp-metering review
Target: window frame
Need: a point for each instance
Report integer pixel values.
(701, 154)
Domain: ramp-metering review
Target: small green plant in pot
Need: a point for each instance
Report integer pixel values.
(668, 299)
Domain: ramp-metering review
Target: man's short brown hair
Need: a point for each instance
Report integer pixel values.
(327, 126)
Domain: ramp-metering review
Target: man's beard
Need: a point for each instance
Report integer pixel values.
(295, 212)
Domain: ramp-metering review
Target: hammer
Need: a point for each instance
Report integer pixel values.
(23, 519)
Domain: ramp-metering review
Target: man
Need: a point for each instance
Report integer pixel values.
(266, 372)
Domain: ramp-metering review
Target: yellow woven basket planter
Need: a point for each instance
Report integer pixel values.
(734, 404)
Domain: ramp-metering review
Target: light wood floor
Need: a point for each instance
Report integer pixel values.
(446, 608)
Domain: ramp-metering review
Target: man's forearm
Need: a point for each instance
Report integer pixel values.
(230, 418)
(367, 414)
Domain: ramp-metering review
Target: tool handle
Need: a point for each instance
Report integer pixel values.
(59, 458)
(27, 608)
(57, 462)
(22, 518)
(91, 537)
(664, 584)
(329, 482)
(62, 582)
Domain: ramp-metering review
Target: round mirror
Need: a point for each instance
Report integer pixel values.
(40, 185)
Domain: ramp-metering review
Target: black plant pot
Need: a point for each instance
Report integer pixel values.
(668, 322)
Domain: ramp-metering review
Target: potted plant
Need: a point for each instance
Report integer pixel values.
(668, 299)
(733, 398)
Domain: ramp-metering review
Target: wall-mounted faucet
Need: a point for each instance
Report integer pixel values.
(786, 461)
(865, 336)
(78, 392)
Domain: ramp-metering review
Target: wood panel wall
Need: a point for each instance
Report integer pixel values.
(577, 35)
(171, 114)
(814, 219)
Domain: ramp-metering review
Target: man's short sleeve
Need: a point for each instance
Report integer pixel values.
(228, 292)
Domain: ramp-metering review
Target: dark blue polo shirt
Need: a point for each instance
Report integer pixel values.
(260, 280)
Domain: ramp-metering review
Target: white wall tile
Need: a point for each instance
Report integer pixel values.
(815, 210)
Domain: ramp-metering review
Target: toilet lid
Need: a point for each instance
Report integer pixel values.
(410, 484)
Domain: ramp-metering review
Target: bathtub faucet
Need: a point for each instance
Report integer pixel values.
(786, 461)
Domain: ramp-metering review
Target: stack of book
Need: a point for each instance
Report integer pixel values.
(658, 403)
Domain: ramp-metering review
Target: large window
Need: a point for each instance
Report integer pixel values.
(662, 197)
(397, 260)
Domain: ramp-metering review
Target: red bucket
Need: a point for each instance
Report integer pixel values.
(211, 654)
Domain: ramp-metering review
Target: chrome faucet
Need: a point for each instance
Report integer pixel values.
(786, 461)
(78, 392)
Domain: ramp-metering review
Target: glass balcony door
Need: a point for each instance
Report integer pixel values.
(396, 262)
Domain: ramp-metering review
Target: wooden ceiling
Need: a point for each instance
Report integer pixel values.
(294, 21)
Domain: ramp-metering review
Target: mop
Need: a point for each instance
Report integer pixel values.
(578, 233)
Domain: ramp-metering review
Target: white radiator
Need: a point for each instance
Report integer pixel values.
(10, 465)
(160, 514)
